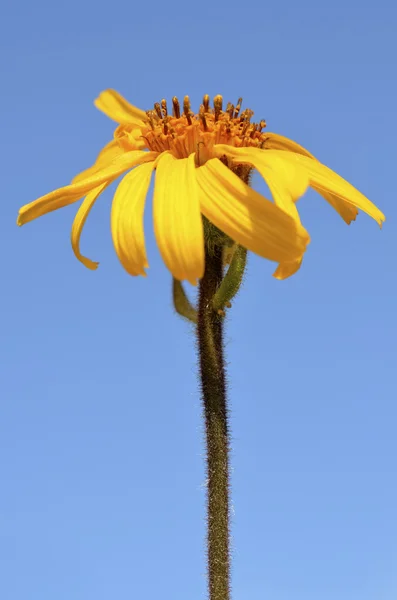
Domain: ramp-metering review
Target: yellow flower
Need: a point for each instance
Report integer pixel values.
(203, 163)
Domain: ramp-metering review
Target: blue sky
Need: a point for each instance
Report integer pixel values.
(101, 441)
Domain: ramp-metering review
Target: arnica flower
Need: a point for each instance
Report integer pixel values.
(203, 164)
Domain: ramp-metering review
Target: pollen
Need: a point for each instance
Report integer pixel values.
(183, 132)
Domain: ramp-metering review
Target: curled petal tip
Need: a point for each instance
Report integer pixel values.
(352, 220)
(20, 220)
(287, 269)
(90, 264)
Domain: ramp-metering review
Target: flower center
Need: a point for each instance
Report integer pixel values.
(184, 133)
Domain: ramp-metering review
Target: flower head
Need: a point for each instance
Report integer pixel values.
(203, 163)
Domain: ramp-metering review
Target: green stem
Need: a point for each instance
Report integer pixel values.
(213, 384)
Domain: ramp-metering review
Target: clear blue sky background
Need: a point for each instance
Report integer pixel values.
(101, 442)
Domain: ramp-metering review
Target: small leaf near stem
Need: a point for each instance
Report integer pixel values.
(182, 303)
(232, 280)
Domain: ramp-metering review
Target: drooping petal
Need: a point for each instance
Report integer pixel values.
(177, 218)
(73, 192)
(287, 182)
(323, 179)
(118, 108)
(127, 219)
(79, 222)
(279, 142)
(108, 153)
(275, 141)
(247, 217)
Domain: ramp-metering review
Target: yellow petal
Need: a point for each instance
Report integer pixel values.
(111, 151)
(287, 182)
(79, 222)
(247, 217)
(323, 179)
(279, 142)
(117, 108)
(73, 192)
(178, 224)
(127, 219)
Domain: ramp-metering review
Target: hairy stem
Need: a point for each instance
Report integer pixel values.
(213, 384)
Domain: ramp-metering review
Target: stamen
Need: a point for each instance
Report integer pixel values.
(238, 107)
(249, 114)
(158, 110)
(245, 128)
(155, 116)
(261, 124)
(186, 109)
(150, 118)
(218, 103)
(230, 110)
(198, 153)
(146, 140)
(202, 117)
(246, 115)
(176, 109)
(206, 103)
(164, 107)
